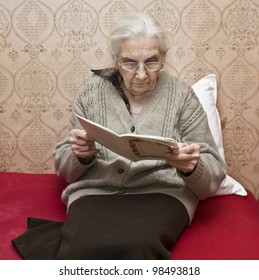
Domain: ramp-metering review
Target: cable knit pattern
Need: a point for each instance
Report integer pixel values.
(172, 110)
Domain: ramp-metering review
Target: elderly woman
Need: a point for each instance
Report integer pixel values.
(119, 209)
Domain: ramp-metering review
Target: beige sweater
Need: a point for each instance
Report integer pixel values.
(172, 110)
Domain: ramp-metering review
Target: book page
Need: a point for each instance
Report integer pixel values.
(105, 137)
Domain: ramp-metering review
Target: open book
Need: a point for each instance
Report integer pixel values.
(131, 146)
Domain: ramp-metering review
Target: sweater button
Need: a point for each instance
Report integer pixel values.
(120, 170)
(132, 128)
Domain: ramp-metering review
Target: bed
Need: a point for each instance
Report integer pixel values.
(225, 227)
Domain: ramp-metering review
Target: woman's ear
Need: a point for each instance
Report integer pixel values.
(163, 58)
(163, 62)
(115, 62)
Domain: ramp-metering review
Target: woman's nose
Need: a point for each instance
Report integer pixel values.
(141, 72)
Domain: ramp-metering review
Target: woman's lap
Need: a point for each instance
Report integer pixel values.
(143, 226)
(122, 227)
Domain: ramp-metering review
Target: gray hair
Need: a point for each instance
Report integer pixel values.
(134, 26)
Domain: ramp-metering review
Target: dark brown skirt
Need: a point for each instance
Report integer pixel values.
(103, 227)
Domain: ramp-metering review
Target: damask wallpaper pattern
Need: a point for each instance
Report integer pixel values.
(47, 49)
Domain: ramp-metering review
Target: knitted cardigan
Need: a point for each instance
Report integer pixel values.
(172, 110)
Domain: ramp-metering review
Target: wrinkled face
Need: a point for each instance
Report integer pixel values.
(139, 62)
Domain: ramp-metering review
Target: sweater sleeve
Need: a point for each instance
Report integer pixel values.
(67, 164)
(193, 125)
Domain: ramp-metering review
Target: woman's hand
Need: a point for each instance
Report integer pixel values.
(186, 160)
(82, 144)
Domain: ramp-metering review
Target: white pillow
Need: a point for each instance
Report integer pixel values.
(206, 91)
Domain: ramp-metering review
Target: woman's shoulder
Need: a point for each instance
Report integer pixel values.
(96, 78)
(178, 82)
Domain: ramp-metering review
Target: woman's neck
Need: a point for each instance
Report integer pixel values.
(136, 101)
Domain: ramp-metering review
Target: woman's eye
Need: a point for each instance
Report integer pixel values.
(130, 64)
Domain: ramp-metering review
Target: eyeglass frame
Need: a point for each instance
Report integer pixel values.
(160, 63)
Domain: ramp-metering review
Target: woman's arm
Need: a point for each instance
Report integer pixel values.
(198, 162)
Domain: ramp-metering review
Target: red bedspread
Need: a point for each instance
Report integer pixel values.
(225, 227)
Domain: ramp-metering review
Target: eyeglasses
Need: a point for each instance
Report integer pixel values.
(132, 66)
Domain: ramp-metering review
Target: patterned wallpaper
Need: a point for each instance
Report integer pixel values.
(48, 47)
